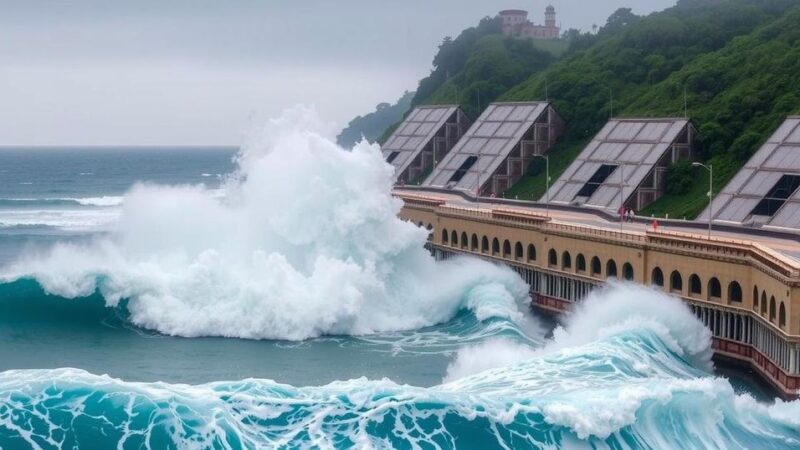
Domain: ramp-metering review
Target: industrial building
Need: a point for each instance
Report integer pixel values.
(424, 138)
(765, 191)
(498, 148)
(625, 164)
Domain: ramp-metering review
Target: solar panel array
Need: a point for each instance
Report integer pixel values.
(416, 131)
(634, 146)
(778, 157)
(490, 139)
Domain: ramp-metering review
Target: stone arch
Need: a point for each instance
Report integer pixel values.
(506, 249)
(566, 261)
(454, 238)
(464, 240)
(611, 269)
(627, 271)
(580, 263)
(485, 245)
(445, 237)
(518, 252)
(531, 252)
(657, 277)
(552, 258)
(755, 298)
(772, 310)
(763, 303)
(474, 246)
(695, 285)
(714, 288)
(495, 247)
(734, 292)
(782, 316)
(596, 267)
(676, 282)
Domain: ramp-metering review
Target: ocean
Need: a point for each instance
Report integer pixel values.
(269, 297)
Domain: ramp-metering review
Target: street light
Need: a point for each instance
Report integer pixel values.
(710, 170)
(546, 181)
(621, 196)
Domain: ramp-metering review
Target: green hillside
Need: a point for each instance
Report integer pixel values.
(372, 126)
(737, 61)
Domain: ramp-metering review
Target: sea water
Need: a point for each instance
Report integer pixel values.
(268, 297)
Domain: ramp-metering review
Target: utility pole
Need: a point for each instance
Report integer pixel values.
(710, 170)
(546, 182)
(611, 102)
(621, 196)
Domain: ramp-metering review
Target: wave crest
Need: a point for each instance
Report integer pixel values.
(305, 242)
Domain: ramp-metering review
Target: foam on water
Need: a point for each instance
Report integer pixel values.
(627, 389)
(305, 242)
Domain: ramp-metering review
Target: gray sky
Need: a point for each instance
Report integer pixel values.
(148, 72)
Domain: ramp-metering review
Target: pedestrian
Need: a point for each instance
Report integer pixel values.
(631, 215)
(655, 225)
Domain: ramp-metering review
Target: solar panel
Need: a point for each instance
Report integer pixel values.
(763, 191)
(500, 130)
(637, 144)
(417, 133)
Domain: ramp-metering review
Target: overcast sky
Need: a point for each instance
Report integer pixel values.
(149, 72)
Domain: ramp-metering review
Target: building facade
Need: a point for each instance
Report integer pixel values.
(747, 295)
(516, 24)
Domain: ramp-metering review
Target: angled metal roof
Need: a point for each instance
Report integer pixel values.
(634, 146)
(416, 131)
(778, 157)
(491, 138)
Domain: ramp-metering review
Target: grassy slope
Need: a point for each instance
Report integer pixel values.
(717, 52)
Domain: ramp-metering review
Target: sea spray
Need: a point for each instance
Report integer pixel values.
(305, 242)
(610, 310)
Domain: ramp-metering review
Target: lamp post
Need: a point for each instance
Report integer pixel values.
(710, 170)
(621, 196)
(546, 182)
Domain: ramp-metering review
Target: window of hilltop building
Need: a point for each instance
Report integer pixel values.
(464, 241)
(506, 249)
(454, 238)
(518, 252)
(611, 269)
(657, 277)
(485, 245)
(495, 247)
(596, 269)
(714, 289)
(676, 282)
(695, 286)
(444, 237)
(552, 258)
(627, 271)
(764, 303)
(734, 292)
(474, 246)
(566, 261)
(580, 263)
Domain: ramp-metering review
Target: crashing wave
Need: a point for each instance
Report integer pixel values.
(305, 242)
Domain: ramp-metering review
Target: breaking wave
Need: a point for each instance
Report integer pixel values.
(640, 382)
(304, 242)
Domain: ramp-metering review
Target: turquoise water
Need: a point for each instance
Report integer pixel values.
(159, 322)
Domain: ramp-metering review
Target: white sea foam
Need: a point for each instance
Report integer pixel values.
(306, 242)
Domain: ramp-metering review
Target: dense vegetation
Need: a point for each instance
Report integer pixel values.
(735, 62)
(373, 125)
